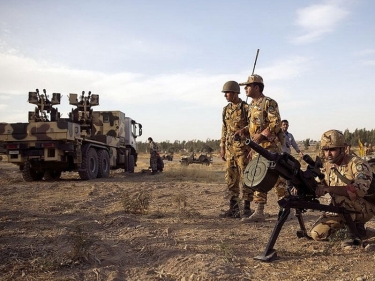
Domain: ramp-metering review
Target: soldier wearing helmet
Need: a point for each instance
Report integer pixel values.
(233, 149)
(264, 128)
(348, 180)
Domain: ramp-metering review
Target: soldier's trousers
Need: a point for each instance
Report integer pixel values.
(153, 161)
(328, 224)
(235, 166)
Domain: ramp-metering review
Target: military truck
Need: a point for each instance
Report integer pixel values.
(88, 142)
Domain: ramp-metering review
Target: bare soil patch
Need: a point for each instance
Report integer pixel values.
(163, 227)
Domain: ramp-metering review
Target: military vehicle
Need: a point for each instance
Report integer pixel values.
(89, 142)
(203, 158)
(168, 157)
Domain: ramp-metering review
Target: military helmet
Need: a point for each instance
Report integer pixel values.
(332, 139)
(231, 86)
(254, 78)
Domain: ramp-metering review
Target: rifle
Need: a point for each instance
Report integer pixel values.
(289, 168)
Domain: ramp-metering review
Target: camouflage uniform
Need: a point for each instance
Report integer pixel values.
(236, 152)
(270, 117)
(359, 173)
(154, 156)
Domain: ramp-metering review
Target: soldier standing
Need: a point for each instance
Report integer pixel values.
(154, 149)
(348, 179)
(289, 142)
(264, 127)
(233, 150)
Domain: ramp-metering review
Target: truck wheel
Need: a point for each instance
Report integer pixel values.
(52, 175)
(29, 174)
(131, 164)
(103, 164)
(89, 167)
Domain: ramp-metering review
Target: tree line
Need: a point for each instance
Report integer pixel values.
(365, 136)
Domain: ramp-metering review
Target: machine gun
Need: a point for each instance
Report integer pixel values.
(287, 167)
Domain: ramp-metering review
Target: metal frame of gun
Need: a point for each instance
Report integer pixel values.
(287, 167)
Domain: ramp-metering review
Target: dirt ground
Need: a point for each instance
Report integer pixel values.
(94, 230)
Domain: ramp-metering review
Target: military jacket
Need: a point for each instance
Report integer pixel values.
(264, 117)
(355, 169)
(234, 119)
(153, 147)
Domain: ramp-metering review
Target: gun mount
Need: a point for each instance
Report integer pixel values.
(44, 106)
(82, 114)
(287, 167)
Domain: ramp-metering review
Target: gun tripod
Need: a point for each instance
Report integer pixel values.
(294, 202)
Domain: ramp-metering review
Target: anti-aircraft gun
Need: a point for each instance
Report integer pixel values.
(82, 114)
(262, 174)
(44, 106)
(89, 142)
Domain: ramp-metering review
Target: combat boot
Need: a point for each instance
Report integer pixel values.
(246, 209)
(257, 216)
(361, 229)
(234, 210)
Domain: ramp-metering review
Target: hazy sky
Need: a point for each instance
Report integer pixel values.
(164, 63)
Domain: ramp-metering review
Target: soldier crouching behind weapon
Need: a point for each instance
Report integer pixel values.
(348, 179)
(353, 202)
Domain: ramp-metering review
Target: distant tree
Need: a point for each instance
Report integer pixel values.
(306, 143)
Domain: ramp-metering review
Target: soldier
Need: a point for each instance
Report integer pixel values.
(348, 179)
(154, 150)
(264, 126)
(288, 143)
(233, 150)
(368, 149)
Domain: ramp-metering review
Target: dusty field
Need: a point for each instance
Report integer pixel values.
(87, 230)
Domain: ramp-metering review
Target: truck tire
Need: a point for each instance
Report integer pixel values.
(131, 164)
(89, 167)
(29, 174)
(52, 175)
(103, 164)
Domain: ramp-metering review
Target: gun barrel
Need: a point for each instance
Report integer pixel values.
(262, 151)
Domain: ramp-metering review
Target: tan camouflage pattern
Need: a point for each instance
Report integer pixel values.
(39, 131)
(271, 123)
(236, 152)
(234, 169)
(234, 119)
(255, 78)
(109, 127)
(359, 172)
(332, 139)
(109, 123)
